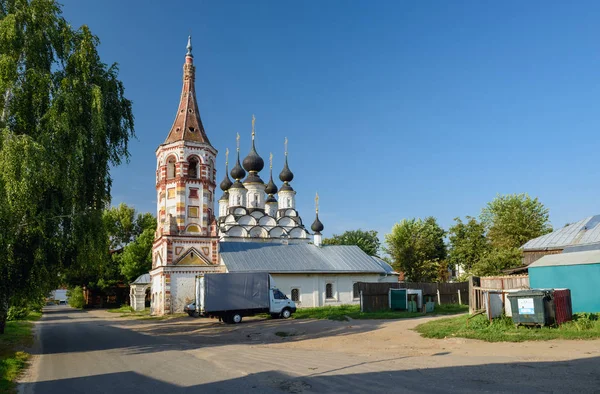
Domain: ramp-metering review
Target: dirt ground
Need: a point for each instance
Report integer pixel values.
(98, 352)
(358, 337)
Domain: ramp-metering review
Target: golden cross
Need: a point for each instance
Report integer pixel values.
(285, 144)
(253, 121)
(317, 202)
(238, 141)
(226, 156)
(271, 161)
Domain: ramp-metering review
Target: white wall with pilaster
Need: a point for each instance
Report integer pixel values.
(312, 287)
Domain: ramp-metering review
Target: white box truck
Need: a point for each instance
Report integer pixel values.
(232, 296)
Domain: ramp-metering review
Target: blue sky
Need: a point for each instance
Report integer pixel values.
(393, 109)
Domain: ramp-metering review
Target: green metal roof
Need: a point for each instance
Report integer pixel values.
(575, 258)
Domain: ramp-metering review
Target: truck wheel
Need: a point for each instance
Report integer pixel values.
(195, 314)
(286, 313)
(236, 318)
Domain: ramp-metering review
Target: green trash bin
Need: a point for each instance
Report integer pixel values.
(398, 299)
(532, 307)
(413, 303)
(429, 304)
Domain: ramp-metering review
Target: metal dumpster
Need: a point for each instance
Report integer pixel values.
(398, 299)
(532, 307)
(562, 305)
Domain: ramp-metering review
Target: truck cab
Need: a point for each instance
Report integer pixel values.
(281, 305)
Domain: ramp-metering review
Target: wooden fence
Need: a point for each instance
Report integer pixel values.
(443, 293)
(479, 285)
(375, 296)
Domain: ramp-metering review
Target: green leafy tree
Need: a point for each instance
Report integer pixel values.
(64, 121)
(467, 243)
(137, 256)
(496, 260)
(366, 240)
(513, 219)
(129, 238)
(417, 248)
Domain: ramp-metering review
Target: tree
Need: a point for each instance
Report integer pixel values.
(513, 219)
(468, 243)
(366, 240)
(496, 260)
(137, 256)
(128, 249)
(417, 248)
(64, 121)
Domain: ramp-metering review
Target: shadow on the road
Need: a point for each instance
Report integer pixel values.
(78, 334)
(563, 376)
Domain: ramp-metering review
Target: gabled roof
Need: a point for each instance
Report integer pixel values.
(142, 279)
(575, 258)
(583, 232)
(299, 258)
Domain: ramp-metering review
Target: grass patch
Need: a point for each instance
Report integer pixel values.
(17, 336)
(583, 326)
(127, 311)
(343, 312)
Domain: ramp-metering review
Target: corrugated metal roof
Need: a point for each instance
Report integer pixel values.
(298, 258)
(142, 279)
(575, 258)
(583, 232)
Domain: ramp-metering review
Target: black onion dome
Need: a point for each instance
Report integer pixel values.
(286, 175)
(317, 226)
(226, 182)
(271, 198)
(225, 196)
(271, 187)
(238, 172)
(253, 162)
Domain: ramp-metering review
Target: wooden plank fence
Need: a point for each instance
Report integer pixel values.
(479, 285)
(374, 296)
(443, 293)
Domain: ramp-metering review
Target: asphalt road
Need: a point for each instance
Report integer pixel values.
(90, 352)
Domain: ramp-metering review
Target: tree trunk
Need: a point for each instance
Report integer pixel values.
(3, 312)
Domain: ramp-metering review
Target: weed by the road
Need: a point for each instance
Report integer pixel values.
(583, 326)
(343, 312)
(127, 311)
(17, 336)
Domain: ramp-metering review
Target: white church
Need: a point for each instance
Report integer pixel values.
(257, 229)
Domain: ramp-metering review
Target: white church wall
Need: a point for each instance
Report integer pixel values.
(183, 289)
(312, 287)
(157, 294)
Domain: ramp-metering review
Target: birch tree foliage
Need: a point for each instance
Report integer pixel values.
(64, 120)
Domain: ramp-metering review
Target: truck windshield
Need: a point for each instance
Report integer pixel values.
(278, 295)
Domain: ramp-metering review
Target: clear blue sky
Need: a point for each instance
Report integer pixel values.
(393, 109)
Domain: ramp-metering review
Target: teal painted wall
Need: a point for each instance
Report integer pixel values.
(583, 281)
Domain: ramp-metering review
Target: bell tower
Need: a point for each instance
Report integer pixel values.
(186, 242)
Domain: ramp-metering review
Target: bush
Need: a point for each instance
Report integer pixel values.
(75, 297)
(17, 313)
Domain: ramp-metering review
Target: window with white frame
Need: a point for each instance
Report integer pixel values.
(329, 291)
(295, 294)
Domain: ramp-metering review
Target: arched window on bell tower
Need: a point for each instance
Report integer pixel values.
(171, 167)
(211, 165)
(193, 167)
